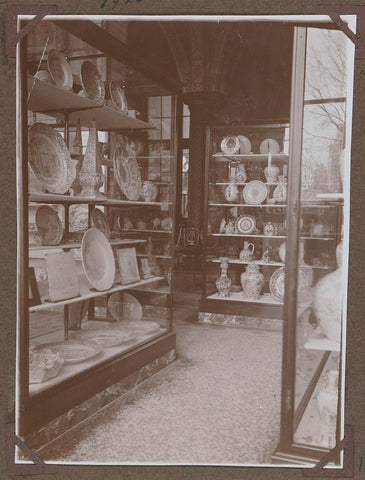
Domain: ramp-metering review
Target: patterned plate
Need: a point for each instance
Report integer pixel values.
(269, 145)
(92, 82)
(127, 174)
(277, 284)
(230, 145)
(49, 225)
(255, 192)
(72, 351)
(99, 221)
(245, 224)
(117, 95)
(49, 159)
(106, 337)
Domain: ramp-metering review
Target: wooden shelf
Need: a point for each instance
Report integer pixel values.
(87, 293)
(266, 298)
(68, 199)
(53, 101)
(68, 246)
(243, 183)
(253, 157)
(255, 262)
(275, 205)
(133, 230)
(243, 235)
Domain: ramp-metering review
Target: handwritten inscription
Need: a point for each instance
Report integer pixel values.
(115, 3)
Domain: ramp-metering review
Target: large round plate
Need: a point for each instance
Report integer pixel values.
(245, 224)
(269, 145)
(255, 192)
(245, 145)
(49, 225)
(230, 145)
(99, 221)
(92, 82)
(277, 284)
(98, 259)
(49, 159)
(72, 351)
(106, 337)
(138, 328)
(117, 95)
(124, 306)
(60, 69)
(127, 174)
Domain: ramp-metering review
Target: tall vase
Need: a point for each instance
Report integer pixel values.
(224, 283)
(271, 171)
(252, 281)
(91, 177)
(280, 191)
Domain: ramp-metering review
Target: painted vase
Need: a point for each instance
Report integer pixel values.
(270, 229)
(327, 408)
(231, 192)
(327, 301)
(240, 173)
(271, 173)
(229, 229)
(252, 281)
(149, 191)
(246, 254)
(280, 191)
(224, 283)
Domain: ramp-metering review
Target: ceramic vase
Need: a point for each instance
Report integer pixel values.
(280, 191)
(231, 192)
(224, 283)
(91, 176)
(246, 254)
(149, 191)
(229, 228)
(240, 173)
(252, 281)
(327, 302)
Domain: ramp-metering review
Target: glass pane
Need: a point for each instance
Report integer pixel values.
(186, 127)
(154, 106)
(166, 106)
(320, 278)
(166, 128)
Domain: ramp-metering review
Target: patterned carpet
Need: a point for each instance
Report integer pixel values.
(218, 403)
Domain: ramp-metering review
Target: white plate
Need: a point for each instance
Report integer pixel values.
(98, 259)
(245, 145)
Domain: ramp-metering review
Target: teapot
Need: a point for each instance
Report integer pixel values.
(246, 255)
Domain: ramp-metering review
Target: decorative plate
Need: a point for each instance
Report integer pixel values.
(138, 328)
(167, 224)
(230, 145)
(245, 145)
(60, 69)
(49, 225)
(149, 191)
(92, 82)
(99, 221)
(277, 284)
(98, 259)
(255, 192)
(124, 306)
(231, 192)
(105, 337)
(117, 94)
(72, 351)
(49, 159)
(127, 174)
(245, 224)
(269, 145)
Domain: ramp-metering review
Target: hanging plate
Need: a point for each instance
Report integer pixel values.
(98, 259)
(59, 69)
(49, 159)
(255, 192)
(127, 174)
(98, 220)
(118, 97)
(49, 225)
(245, 224)
(92, 82)
(72, 351)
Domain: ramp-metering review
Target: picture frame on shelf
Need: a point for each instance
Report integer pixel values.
(128, 265)
(62, 276)
(34, 297)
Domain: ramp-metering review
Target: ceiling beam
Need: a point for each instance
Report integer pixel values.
(103, 41)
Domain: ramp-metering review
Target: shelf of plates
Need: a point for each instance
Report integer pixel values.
(246, 199)
(100, 225)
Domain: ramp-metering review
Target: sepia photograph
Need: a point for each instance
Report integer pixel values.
(183, 239)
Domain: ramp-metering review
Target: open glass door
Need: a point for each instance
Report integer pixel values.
(316, 261)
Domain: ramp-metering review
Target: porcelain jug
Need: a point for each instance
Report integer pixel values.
(246, 254)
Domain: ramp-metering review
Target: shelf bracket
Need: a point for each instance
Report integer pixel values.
(12, 36)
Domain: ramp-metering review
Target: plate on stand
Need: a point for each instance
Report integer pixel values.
(124, 306)
(127, 174)
(245, 224)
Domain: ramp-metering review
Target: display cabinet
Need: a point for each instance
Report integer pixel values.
(97, 217)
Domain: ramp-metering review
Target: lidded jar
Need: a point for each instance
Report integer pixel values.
(252, 281)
